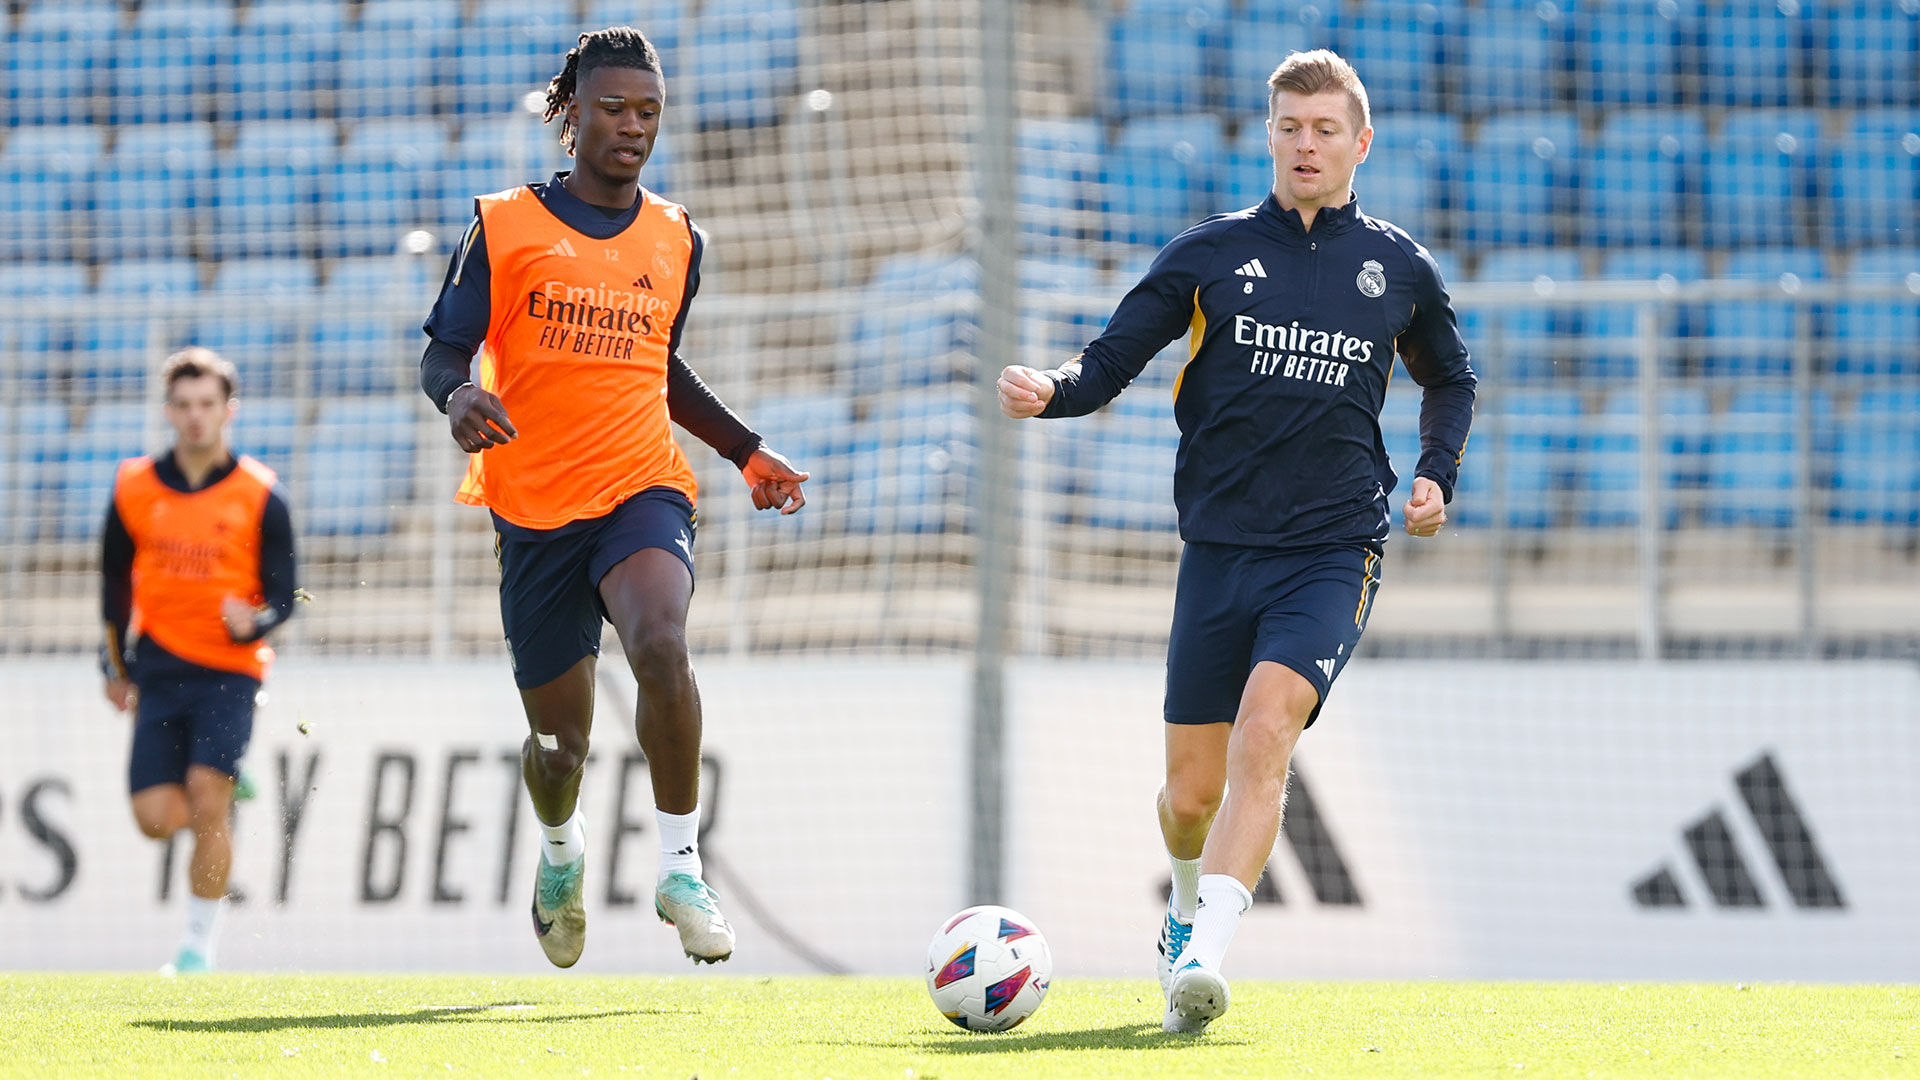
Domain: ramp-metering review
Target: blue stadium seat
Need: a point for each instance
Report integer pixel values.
(1066, 306)
(1756, 178)
(376, 194)
(43, 191)
(1157, 59)
(152, 193)
(1058, 183)
(1160, 173)
(390, 61)
(1872, 188)
(1519, 179)
(1257, 38)
(1879, 337)
(356, 352)
(916, 477)
(359, 466)
(165, 66)
(1396, 47)
(54, 67)
(377, 275)
(1898, 123)
(664, 22)
(506, 50)
(110, 433)
(1876, 460)
(1400, 431)
(266, 187)
(1632, 52)
(121, 349)
(1612, 332)
(1536, 342)
(267, 429)
(906, 335)
(1511, 59)
(1633, 181)
(286, 61)
(42, 429)
(1752, 458)
(742, 60)
(43, 279)
(1608, 453)
(1126, 468)
(1245, 173)
(1871, 50)
(818, 432)
(1541, 429)
(1752, 52)
(1404, 179)
(1757, 336)
(45, 343)
(256, 337)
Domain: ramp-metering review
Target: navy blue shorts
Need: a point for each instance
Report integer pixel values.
(188, 715)
(550, 579)
(1236, 606)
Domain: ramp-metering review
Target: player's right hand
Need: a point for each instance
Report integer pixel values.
(478, 419)
(122, 694)
(1024, 392)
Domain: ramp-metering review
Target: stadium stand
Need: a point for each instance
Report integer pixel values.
(282, 154)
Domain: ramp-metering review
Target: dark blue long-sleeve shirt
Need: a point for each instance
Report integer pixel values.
(1293, 334)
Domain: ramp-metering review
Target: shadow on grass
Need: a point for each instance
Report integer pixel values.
(1117, 1037)
(432, 1015)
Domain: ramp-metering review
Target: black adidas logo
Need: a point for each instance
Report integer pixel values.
(1782, 827)
(644, 281)
(1312, 843)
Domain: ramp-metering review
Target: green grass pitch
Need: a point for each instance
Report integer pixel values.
(730, 1026)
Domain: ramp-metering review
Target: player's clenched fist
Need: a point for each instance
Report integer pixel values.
(1426, 511)
(1024, 391)
(478, 419)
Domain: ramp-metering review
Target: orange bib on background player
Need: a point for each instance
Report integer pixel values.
(192, 550)
(577, 351)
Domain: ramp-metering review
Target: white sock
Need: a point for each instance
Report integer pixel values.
(1186, 887)
(1222, 901)
(679, 842)
(203, 924)
(566, 841)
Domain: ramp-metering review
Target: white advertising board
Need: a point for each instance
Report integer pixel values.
(1446, 821)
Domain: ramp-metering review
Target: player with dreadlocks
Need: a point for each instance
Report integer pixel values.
(573, 293)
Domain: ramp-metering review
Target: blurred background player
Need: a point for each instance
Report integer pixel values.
(1296, 307)
(197, 566)
(578, 289)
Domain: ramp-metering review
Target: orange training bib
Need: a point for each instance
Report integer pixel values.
(577, 351)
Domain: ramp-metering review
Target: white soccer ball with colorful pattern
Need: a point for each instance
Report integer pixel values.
(988, 968)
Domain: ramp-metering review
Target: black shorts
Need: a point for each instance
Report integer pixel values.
(1236, 606)
(188, 715)
(550, 579)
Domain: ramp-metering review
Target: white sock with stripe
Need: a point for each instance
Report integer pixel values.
(679, 842)
(1222, 901)
(566, 841)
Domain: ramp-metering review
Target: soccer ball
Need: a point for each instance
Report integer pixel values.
(988, 968)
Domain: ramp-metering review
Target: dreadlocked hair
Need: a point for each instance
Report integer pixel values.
(615, 46)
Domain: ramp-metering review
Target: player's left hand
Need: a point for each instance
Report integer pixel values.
(775, 482)
(1426, 511)
(238, 615)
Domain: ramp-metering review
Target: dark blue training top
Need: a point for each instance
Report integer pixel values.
(1293, 334)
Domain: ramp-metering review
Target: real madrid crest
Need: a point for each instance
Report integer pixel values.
(1372, 279)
